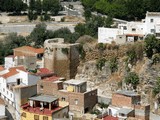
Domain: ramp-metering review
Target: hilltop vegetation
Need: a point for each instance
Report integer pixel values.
(123, 9)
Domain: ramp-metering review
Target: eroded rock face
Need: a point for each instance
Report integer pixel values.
(107, 83)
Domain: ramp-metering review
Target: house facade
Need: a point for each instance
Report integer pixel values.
(72, 91)
(31, 58)
(12, 82)
(128, 104)
(131, 31)
(43, 107)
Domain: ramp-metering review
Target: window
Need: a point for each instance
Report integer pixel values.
(125, 27)
(3, 90)
(18, 81)
(152, 31)
(151, 20)
(36, 117)
(45, 118)
(24, 114)
(133, 29)
(11, 95)
(7, 92)
(41, 87)
(76, 101)
(63, 99)
(120, 37)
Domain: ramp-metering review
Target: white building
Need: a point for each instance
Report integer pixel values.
(131, 31)
(12, 78)
(31, 58)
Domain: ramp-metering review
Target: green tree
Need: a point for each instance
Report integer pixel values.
(113, 64)
(38, 6)
(80, 28)
(52, 6)
(100, 63)
(133, 79)
(151, 45)
(38, 35)
(156, 89)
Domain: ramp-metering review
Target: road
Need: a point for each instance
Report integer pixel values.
(28, 27)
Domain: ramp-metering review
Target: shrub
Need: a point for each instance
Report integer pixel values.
(100, 63)
(133, 79)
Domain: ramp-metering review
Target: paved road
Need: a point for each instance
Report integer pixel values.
(28, 27)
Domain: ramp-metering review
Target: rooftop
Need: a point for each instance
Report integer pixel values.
(127, 93)
(153, 13)
(125, 110)
(30, 49)
(110, 118)
(37, 110)
(1, 68)
(51, 79)
(44, 98)
(74, 82)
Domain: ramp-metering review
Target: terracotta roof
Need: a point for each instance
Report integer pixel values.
(9, 74)
(2, 101)
(140, 35)
(51, 79)
(18, 67)
(110, 118)
(36, 110)
(44, 70)
(1, 68)
(13, 71)
(30, 49)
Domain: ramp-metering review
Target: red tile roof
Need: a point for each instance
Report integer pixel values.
(44, 70)
(13, 71)
(110, 118)
(9, 74)
(30, 49)
(51, 79)
(37, 110)
(1, 68)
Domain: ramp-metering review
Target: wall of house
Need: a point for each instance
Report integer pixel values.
(90, 100)
(120, 39)
(49, 88)
(9, 62)
(121, 100)
(32, 79)
(107, 35)
(30, 116)
(151, 25)
(22, 95)
(2, 110)
(62, 113)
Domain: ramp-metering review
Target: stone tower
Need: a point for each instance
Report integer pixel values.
(60, 57)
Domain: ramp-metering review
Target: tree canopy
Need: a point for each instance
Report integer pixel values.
(123, 9)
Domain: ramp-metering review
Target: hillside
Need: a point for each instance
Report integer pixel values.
(107, 81)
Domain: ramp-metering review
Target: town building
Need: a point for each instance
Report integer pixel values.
(128, 104)
(131, 31)
(31, 58)
(60, 57)
(43, 107)
(72, 91)
(15, 83)
(2, 110)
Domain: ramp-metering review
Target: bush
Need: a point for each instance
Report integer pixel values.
(133, 79)
(156, 89)
(113, 64)
(100, 63)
